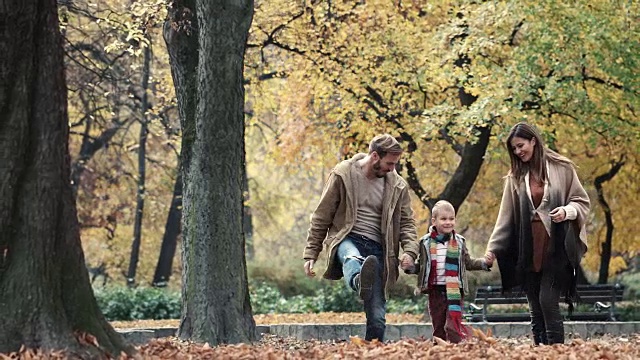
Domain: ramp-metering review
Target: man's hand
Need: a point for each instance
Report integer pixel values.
(407, 264)
(489, 257)
(308, 268)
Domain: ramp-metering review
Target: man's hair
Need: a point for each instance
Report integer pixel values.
(440, 206)
(385, 144)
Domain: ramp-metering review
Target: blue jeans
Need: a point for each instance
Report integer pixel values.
(351, 253)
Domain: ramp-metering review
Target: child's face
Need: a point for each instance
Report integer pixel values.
(444, 222)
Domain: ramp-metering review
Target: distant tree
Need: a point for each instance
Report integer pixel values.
(124, 130)
(46, 300)
(164, 267)
(206, 42)
(142, 171)
(606, 246)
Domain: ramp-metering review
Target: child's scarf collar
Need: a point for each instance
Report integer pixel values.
(440, 238)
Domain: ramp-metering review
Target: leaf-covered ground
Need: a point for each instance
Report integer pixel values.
(270, 347)
(483, 347)
(269, 319)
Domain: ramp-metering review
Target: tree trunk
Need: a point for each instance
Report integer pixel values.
(45, 295)
(581, 278)
(471, 157)
(142, 171)
(605, 257)
(89, 147)
(170, 238)
(206, 42)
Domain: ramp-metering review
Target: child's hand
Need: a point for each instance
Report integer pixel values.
(407, 264)
(485, 266)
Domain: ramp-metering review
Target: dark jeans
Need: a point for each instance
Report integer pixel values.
(351, 253)
(544, 304)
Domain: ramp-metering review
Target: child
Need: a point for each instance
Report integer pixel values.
(441, 273)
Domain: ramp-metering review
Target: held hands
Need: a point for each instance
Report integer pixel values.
(489, 257)
(308, 268)
(558, 215)
(407, 264)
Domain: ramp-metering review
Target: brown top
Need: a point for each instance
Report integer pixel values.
(539, 232)
(368, 205)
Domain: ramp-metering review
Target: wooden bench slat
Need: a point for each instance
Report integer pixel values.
(584, 299)
(505, 317)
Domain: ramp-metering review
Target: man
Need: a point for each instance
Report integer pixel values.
(363, 217)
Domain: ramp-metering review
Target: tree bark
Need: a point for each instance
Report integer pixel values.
(206, 42)
(247, 218)
(45, 294)
(471, 159)
(170, 238)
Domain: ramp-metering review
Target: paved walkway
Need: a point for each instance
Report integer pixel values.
(394, 332)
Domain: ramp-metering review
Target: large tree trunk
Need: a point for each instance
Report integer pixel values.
(170, 238)
(45, 295)
(206, 42)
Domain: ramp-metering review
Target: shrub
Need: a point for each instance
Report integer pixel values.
(289, 279)
(407, 306)
(140, 303)
(632, 285)
(337, 297)
(628, 311)
(265, 298)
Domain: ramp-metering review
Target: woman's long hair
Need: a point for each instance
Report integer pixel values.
(537, 164)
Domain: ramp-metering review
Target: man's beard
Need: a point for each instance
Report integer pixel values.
(376, 169)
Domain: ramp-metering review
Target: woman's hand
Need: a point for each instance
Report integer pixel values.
(489, 257)
(558, 215)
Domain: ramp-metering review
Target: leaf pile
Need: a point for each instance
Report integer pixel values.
(482, 346)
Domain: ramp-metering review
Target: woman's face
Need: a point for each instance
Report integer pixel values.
(523, 148)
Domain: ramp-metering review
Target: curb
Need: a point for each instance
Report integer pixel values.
(396, 332)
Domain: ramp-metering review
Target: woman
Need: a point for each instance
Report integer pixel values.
(539, 236)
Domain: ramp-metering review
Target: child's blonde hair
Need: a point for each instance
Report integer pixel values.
(442, 205)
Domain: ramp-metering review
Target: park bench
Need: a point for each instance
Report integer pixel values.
(601, 298)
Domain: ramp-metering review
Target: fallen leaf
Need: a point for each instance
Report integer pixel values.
(439, 341)
(357, 340)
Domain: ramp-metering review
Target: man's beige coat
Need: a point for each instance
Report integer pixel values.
(335, 216)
